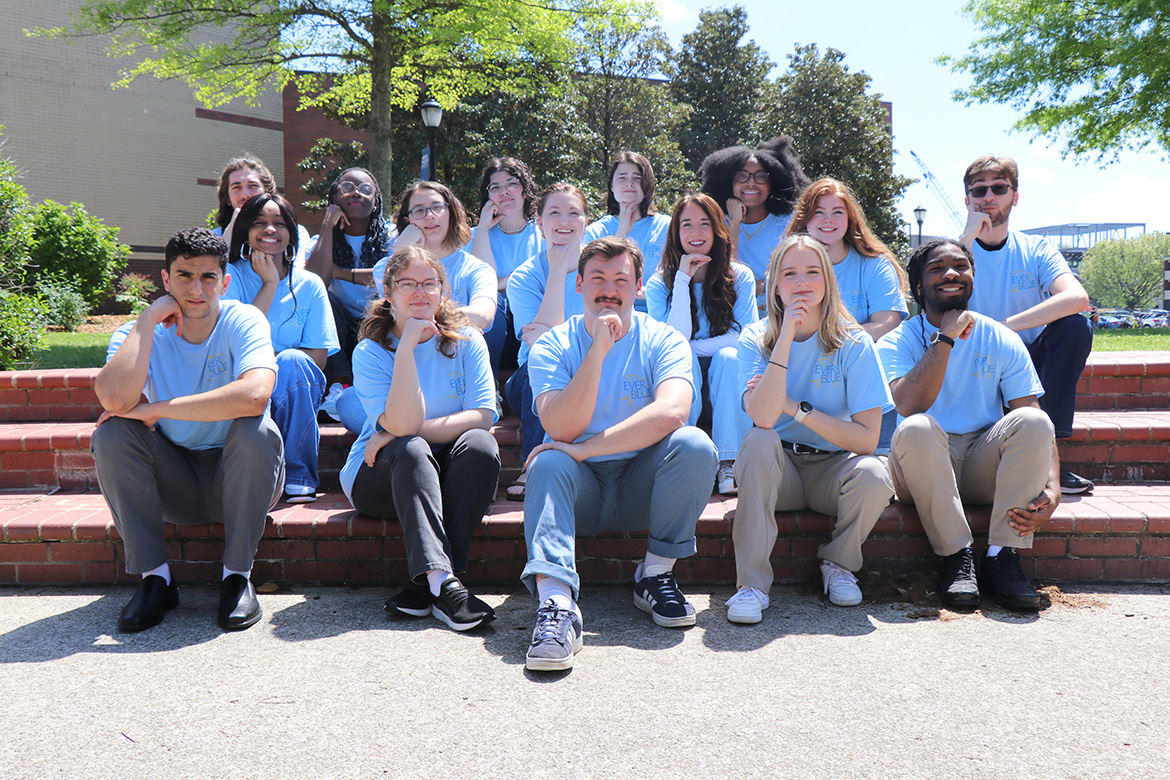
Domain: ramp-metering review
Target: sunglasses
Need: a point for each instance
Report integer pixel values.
(998, 189)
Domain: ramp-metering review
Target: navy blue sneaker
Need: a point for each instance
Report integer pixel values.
(555, 640)
(661, 597)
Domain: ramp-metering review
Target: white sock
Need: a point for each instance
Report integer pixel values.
(245, 574)
(436, 578)
(560, 593)
(163, 571)
(993, 550)
(654, 565)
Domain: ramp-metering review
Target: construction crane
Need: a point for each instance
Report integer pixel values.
(934, 184)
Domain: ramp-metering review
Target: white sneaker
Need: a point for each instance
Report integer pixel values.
(841, 585)
(747, 605)
(725, 481)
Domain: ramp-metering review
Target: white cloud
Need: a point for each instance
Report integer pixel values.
(1130, 197)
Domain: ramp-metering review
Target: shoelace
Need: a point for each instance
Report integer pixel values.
(1011, 567)
(548, 623)
(839, 576)
(665, 590)
(744, 594)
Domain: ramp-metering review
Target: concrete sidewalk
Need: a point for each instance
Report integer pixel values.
(326, 686)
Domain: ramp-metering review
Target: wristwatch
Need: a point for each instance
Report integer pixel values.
(802, 411)
(941, 338)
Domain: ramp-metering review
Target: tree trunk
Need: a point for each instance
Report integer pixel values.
(381, 128)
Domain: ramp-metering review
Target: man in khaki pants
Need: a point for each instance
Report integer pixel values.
(951, 373)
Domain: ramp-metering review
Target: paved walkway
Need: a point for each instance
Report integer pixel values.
(327, 687)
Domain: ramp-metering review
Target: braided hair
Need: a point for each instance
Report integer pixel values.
(376, 242)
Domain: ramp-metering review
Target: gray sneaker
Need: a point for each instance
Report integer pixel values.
(555, 640)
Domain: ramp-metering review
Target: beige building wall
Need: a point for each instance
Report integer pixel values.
(143, 158)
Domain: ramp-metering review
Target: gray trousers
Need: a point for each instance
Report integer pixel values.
(1005, 465)
(855, 488)
(148, 480)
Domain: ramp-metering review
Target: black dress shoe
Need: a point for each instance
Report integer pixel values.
(958, 587)
(238, 605)
(149, 605)
(1003, 579)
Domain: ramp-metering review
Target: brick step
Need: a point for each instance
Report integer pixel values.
(1111, 447)
(1112, 380)
(1125, 380)
(56, 454)
(1120, 533)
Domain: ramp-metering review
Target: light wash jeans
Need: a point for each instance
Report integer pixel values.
(663, 488)
(300, 385)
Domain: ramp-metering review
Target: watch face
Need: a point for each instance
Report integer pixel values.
(805, 407)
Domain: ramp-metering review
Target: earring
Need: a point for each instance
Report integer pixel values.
(289, 254)
(246, 251)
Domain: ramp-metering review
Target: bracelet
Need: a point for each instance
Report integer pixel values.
(352, 277)
(781, 365)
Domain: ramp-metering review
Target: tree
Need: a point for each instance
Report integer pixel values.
(840, 130)
(622, 105)
(1091, 71)
(721, 79)
(378, 55)
(1126, 272)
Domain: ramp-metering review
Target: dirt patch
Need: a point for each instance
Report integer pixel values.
(1076, 600)
(98, 323)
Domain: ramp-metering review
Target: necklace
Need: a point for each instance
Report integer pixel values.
(748, 233)
(507, 232)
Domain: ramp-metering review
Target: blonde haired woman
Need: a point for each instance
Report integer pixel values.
(815, 390)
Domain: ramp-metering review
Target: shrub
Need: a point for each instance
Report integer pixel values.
(15, 225)
(134, 290)
(76, 246)
(22, 324)
(65, 307)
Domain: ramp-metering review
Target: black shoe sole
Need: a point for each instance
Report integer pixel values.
(963, 601)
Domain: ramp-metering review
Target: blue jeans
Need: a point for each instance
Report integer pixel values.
(300, 385)
(502, 344)
(518, 391)
(663, 489)
(1059, 354)
(350, 411)
(729, 422)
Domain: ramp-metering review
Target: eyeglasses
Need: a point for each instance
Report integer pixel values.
(421, 212)
(759, 177)
(509, 186)
(408, 286)
(998, 189)
(347, 188)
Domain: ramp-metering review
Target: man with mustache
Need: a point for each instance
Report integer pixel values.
(613, 389)
(1026, 284)
(951, 373)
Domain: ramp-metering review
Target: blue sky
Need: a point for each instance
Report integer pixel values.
(896, 43)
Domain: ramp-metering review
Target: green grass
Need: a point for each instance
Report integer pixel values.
(1139, 339)
(70, 350)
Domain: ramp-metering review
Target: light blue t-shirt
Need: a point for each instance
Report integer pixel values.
(355, 297)
(509, 250)
(649, 233)
(757, 243)
(984, 371)
(745, 300)
(868, 285)
(467, 276)
(239, 343)
(840, 384)
(449, 385)
(526, 288)
(299, 316)
(647, 355)
(1015, 278)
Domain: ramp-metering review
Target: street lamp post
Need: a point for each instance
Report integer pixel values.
(920, 217)
(432, 115)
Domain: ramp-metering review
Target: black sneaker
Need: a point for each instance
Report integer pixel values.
(1073, 484)
(414, 600)
(458, 608)
(1003, 579)
(555, 640)
(958, 586)
(661, 597)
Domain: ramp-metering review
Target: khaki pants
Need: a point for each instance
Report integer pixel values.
(855, 488)
(1006, 466)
